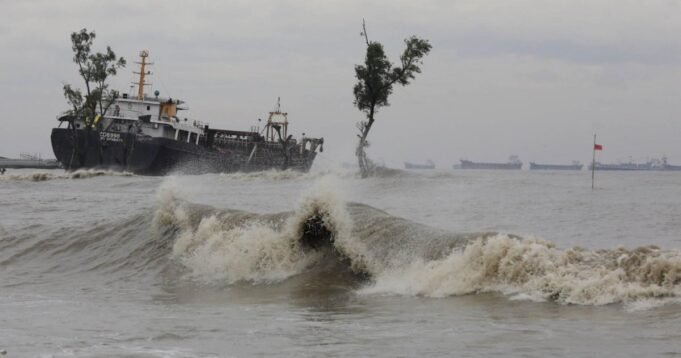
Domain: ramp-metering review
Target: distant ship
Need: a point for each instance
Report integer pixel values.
(622, 166)
(651, 165)
(513, 164)
(664, 166)
(428, 165)
(146, 135)
(574, 166)
(28, 161)
(671, 168)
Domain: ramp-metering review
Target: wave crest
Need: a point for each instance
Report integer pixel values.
(234, 246)
(406, 258)
(537, 270)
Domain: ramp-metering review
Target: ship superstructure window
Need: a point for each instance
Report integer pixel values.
(148, 108)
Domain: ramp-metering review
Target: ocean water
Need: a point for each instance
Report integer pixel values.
(433, 263)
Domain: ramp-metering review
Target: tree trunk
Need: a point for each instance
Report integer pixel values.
(366, 167)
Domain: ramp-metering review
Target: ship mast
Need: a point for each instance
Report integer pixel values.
(140, 84)
(275, 124)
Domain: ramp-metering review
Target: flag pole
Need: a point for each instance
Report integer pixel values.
(593, 163)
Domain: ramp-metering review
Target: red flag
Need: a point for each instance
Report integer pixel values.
(598, 147)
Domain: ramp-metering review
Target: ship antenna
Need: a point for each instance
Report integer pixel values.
(140, 85)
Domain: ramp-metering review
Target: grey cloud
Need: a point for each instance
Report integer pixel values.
(503, 78)
(481, 45)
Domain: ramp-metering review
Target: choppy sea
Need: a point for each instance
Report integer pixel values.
(417, 263)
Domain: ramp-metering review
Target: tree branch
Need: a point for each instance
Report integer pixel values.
(364, 33)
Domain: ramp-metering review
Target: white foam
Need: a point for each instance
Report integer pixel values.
(255, 253)
(534, 269)
(170, 211)
(225, 247)
(230, 246)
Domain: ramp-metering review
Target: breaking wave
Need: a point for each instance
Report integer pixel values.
(386, 254)
(397, 256)
(51, 175)
(535, 269)
(234, 246)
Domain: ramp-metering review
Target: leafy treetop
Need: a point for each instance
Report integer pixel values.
(94, 68)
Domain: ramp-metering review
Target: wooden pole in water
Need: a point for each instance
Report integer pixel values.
(593, 163)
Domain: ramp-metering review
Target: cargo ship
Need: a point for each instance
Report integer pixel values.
(651, 165)
(622, 166)
(574, 166)
(428, 165)
(513, 164)
(147, 135)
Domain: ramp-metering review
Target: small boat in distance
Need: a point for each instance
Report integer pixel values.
(574, 166)
(513, 164)
(428, 165)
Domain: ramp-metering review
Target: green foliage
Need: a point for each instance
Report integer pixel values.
(373, 87)
(74, 97)
(375, 81)
(377, 75)
(94, 68)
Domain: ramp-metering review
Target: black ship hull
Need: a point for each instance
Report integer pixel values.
(140, 154)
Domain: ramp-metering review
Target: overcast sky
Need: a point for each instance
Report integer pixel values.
(532, 78)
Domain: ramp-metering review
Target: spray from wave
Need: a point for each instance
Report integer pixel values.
(402, 257)
(235, 246)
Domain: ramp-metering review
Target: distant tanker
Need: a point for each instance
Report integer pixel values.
(573, 166)
(513, 164)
